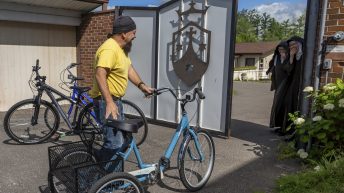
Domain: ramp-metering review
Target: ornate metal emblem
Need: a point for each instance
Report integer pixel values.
(190, 48)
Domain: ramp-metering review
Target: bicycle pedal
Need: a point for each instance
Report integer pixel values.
(61, 134)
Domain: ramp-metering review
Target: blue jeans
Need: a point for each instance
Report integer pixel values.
(113, 140)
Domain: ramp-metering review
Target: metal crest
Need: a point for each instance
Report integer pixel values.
(190, 48)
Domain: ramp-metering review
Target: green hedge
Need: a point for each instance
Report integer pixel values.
(245, 68)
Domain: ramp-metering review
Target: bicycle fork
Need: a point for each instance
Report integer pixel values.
(37, 106)
(195, 156)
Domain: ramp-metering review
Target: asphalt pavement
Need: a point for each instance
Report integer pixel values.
(245, 163)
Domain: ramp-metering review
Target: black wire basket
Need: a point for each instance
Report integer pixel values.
(73, 167)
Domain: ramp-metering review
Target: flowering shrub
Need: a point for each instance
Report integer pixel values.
(327, 124)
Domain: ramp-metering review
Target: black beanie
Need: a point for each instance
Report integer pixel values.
(123, 24)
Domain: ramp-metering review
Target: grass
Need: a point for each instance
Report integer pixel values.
(329, 179)
(286, 151)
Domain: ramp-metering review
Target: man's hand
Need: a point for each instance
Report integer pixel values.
(146, 89)
(111, 109)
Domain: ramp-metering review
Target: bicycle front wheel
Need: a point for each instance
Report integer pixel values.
(195, 171)
(22, 126)
(66, 106)
(117, 182)
(88, 127)
(132, 111)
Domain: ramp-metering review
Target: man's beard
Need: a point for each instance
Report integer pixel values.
(127, 48)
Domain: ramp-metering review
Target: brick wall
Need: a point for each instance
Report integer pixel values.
(334, 23)
(91, 34)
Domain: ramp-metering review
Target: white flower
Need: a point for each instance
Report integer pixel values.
(303, 155)
(308, 89)
(317, 168)
(317, 118)
(329, 87)
(299, 121)
(329, 106)
(300, 151)
(341, 103)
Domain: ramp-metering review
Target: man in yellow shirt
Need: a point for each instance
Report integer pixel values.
(113, 69)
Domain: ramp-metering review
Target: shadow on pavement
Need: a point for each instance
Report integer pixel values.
(261, 171)
(56, 142)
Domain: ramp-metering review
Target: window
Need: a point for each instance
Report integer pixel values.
(249, 62)
(261, 63)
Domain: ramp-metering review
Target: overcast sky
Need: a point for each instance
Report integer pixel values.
(279, 9)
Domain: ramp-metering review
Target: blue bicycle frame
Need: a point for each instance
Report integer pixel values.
(183, 128)
(85, 99)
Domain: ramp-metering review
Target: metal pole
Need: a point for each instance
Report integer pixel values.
(313, 8)
(310, 39)
(319, 59)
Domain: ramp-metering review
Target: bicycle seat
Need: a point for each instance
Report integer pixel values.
(81, 89)
(130, 125)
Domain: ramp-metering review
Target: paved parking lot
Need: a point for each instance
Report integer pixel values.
(245, 163)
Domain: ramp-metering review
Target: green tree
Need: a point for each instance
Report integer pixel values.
(300, 25)
(285, 28)
(253, 26)
(245, 30)
(265, 25)
(255, 19)
(275, 31)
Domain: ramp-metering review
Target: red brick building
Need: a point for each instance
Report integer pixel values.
(334, 22)
(91, 34)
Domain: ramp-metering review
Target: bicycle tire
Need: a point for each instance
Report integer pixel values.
(132, 111)
(185, 172)
(68, 158)
(113, 180)
(26, 113)
(88, 127)
(61, 102)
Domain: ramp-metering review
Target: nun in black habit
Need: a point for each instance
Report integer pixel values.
(288, 92)
(277, 68)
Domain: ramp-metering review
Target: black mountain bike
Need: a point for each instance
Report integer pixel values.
(35, 120)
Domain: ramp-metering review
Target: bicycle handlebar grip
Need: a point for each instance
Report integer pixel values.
(36, 68)
(200, 93)
(72, 65)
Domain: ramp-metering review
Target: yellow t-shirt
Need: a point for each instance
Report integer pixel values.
(111, 55)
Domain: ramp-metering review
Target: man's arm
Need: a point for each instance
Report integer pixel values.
(136, 80)
(111, 107)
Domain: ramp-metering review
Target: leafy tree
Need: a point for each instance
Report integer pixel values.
(253, 26)
(275, 31)
(245, 30)
(265, 25)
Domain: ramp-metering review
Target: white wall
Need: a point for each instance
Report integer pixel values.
(143, 57)
(20, 45)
